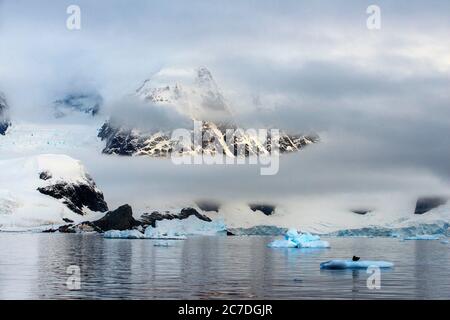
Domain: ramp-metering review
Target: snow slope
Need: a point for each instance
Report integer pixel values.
(22, 205)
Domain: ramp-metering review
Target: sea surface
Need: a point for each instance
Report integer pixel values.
(74, 266)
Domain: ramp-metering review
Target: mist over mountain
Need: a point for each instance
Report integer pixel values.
(377, 100)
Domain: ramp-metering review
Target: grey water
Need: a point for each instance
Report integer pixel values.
(35, 266)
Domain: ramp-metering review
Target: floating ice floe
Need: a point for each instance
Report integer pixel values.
(424, 237)
(125, 234)
(294, 239)
(175, 228)
(349, 264)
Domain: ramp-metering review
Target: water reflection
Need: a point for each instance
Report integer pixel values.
(33, 266)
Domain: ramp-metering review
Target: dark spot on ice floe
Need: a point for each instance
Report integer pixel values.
(67, 220)
(267, 209)
(355, 258)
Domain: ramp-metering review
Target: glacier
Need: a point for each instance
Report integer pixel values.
(424, 237)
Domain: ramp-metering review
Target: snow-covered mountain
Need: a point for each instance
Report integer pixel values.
(46, 189)
(4, 118)
(195, 95)
(191, 92)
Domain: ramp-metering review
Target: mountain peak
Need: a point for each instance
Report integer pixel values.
(192, 92)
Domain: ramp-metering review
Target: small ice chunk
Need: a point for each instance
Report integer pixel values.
(349, 264)
(125, 234)
(282, 244)
(423, 237)
(294, 239)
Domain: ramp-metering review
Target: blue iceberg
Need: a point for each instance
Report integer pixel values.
(349, 264)
(294, 239)
(125, 234)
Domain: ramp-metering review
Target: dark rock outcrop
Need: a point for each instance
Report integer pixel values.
(77, 196)
(361, 211)
(207, 205)
(426, 204)
(4, 119)
(149, 219)
(126, 141)
(86, 226)
(45, 175)
(119, 219)
(267, 209)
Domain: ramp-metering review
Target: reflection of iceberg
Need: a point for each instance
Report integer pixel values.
(349, 264)
(424, 237)
(293, 239)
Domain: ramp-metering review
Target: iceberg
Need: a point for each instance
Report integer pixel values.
(179, 229)
(294, 239)
(125, 234)
(424, 237)
(349, 264)
(282, 244)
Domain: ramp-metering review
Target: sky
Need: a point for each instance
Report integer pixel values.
(379, 99)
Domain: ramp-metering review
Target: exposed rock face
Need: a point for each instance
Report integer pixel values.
(77, 196)
(4, 119)
(208, 205)
(119, 219)
(150, 219)
(267, 209)
(426, 204)
(45, 175)
(88, 103)
(127, 142)
(198, 99)
(361, 211)
(71, 228)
